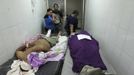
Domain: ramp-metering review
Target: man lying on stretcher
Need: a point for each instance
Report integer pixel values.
(43, 44)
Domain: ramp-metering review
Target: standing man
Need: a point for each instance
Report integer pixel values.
(57, 11)
(58, 17)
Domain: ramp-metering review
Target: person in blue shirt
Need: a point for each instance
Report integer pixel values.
(49, 20)
(72, 22)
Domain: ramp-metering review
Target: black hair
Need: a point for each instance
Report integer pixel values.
(49, 9)
(55, 5)
(75, 12)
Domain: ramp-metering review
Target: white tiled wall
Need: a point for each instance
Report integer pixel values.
(111, 22)
(19, 19)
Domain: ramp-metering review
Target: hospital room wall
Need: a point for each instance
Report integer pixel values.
(111, 22)
(19, 20)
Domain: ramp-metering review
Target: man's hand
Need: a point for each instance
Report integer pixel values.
(72, 33)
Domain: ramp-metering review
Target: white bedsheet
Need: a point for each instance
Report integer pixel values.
(67, 66)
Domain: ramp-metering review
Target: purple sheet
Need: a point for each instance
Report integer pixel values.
(84, 52)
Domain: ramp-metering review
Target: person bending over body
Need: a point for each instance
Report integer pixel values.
(72, 23)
